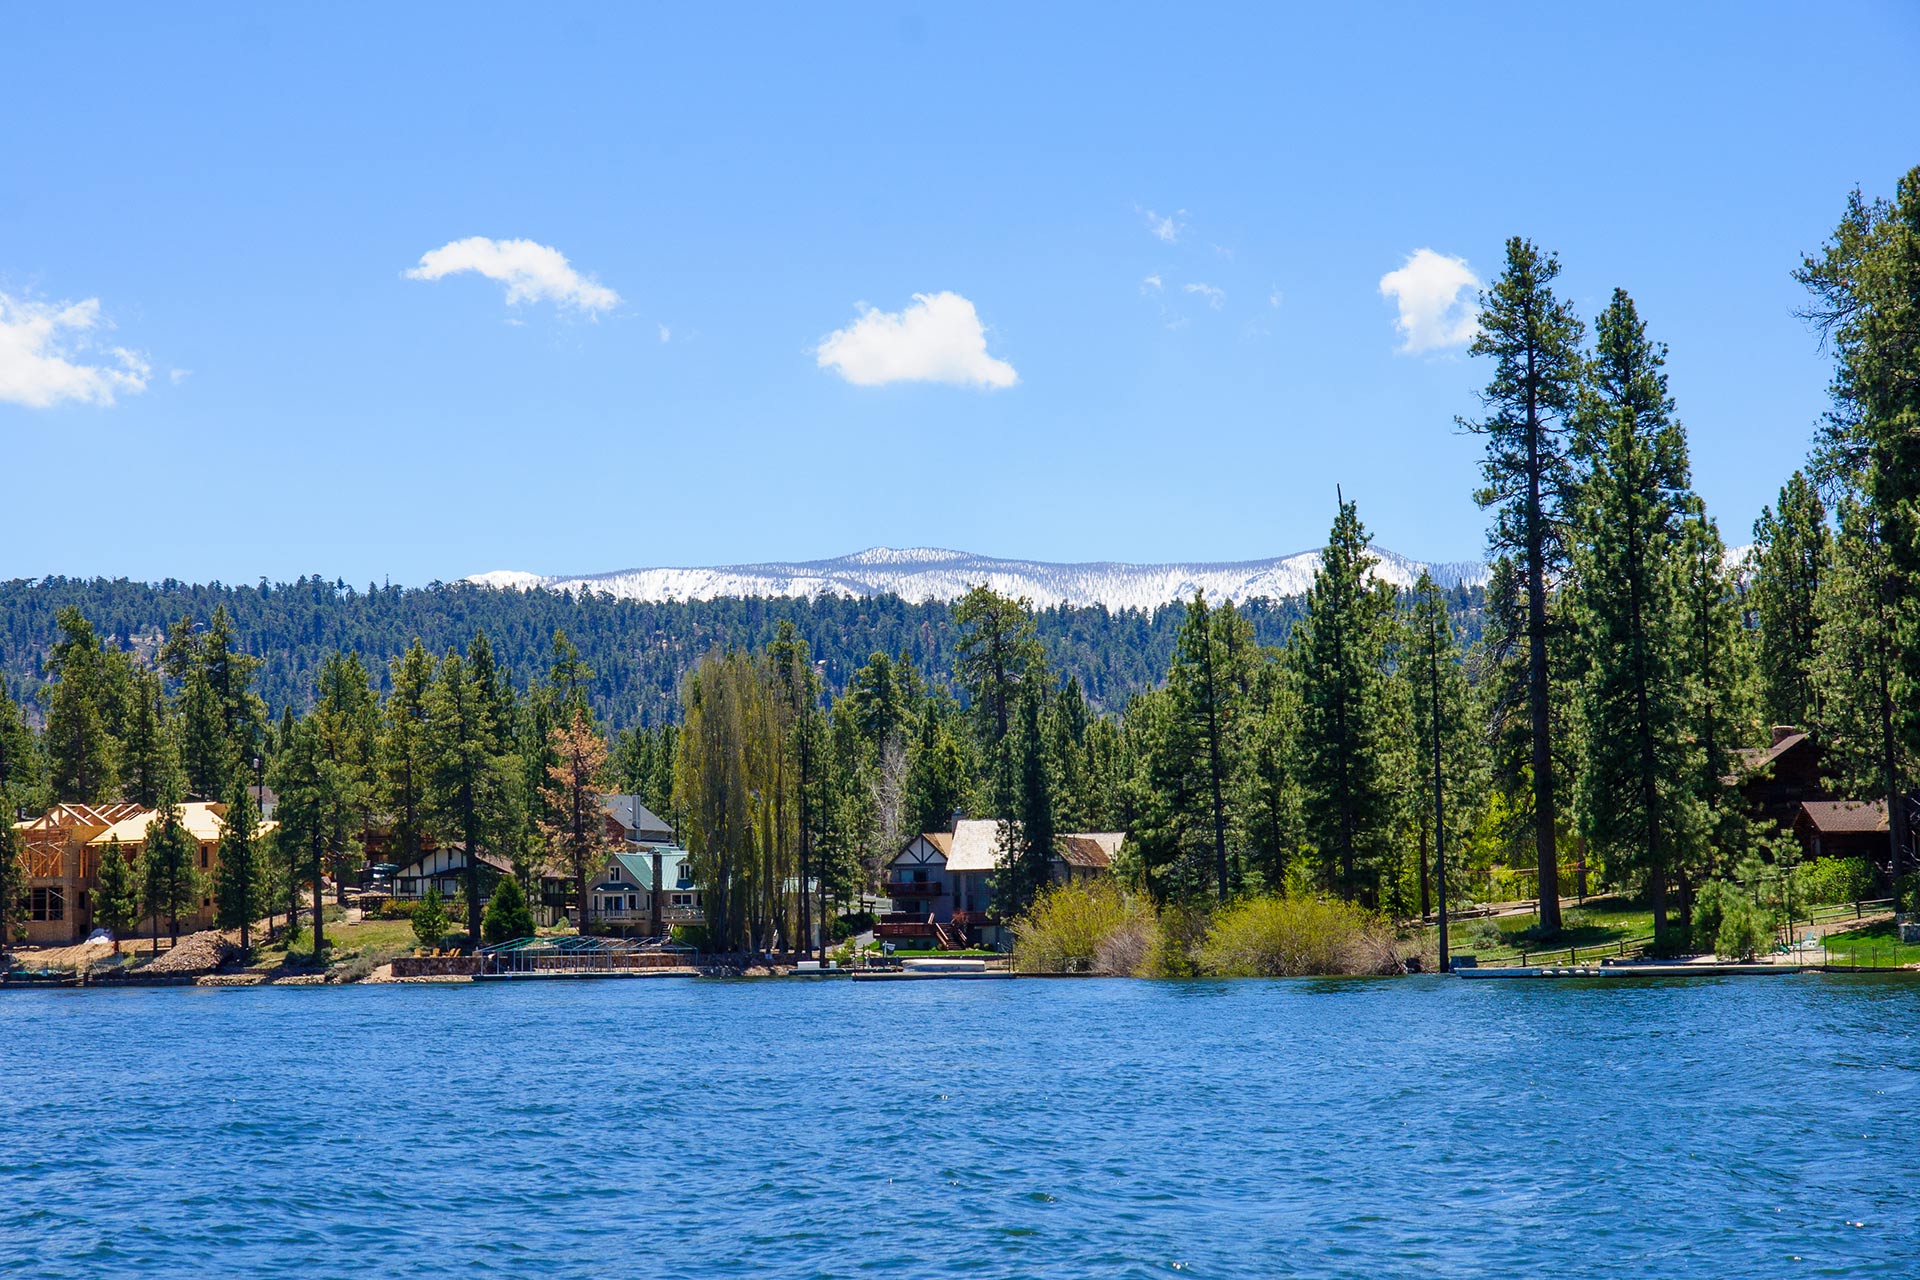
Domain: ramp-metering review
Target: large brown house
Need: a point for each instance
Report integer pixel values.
(941, 883)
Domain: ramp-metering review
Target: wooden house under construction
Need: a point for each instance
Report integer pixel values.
(60, 859)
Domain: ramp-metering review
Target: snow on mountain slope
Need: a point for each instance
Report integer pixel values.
(928, 573)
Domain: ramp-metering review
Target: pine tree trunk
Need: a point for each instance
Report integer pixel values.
(1547, 889)
(319, 899)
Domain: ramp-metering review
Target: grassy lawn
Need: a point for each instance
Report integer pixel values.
(376, 940)
(1602, 922)
(1877, 944)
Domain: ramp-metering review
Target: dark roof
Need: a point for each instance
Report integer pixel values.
(1836, 817)
(1084, 851)
(1753, 759)
(634, 816)
(494, 860)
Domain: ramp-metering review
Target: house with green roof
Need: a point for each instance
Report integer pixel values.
(644, 893)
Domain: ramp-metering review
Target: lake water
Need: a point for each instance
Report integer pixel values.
(667, 1128)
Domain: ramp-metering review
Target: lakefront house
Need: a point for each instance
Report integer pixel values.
(941, 883)
(60, 861)
(644, 893)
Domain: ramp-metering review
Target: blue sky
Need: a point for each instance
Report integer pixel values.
(208, 215)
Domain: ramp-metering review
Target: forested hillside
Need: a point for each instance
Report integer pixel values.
(638, 651)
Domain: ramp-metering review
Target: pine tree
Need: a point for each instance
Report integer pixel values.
(1854, 669)
(229, 672)
(1209, 684)
(307, 814)
(1064, 726)
(1792, 547)
(1446, 742)
(1866, 302)
(116, 896)
(239, 889)
(346, 718)
(508, 916)
(1640, 805)
(471, 792)
(12, 882)
(936, 775)
(82, 755)
(1351, 749)
(1028, 833)
(1534, 341)
(206, 752)
(403, 760)
(1721, 674)
(24, 789)
(1271, 792)
(171, 883)
(430, 921)
(150, 754)
(997, 653)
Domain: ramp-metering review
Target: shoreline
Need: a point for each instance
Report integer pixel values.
(1612, 975)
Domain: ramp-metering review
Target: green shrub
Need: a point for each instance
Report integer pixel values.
(1486, 934)
(689, 935)
(1172, 951)
(507, 916)
(850, 925)
(1906, 892)
(1291, 937)
(430, 921)
(394, 909)
(1088, 927)
(1828, 880)
(1728, 922)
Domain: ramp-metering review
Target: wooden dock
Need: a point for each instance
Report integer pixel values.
(1635, 971)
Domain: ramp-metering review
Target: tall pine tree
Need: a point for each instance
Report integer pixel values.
(1533, 339)
(1640, 806)
(239, 885)
(1351, 750)
(1792, 546)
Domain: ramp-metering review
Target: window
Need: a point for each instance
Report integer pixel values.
(47, 904)
(614, 874)
(203, 857)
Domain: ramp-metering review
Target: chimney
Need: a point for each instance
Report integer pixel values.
(1781, 732)
(959, 816)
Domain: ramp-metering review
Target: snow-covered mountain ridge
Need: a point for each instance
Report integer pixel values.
(930, 573)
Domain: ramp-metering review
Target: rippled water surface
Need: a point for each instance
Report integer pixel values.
(1753, 1128)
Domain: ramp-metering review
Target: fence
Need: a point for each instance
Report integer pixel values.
(1636, 947)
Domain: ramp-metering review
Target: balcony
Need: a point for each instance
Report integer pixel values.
(900, 924)
(972, 919)
(913, 889)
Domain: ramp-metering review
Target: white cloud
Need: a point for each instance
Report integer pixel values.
(1152, 284)
(1275, 298)
(47, 355)
(938, 338)
(666, 334)
(1167, 228)
(1434, 294)
(179, 375)
(1216, 298)
(532, 272)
